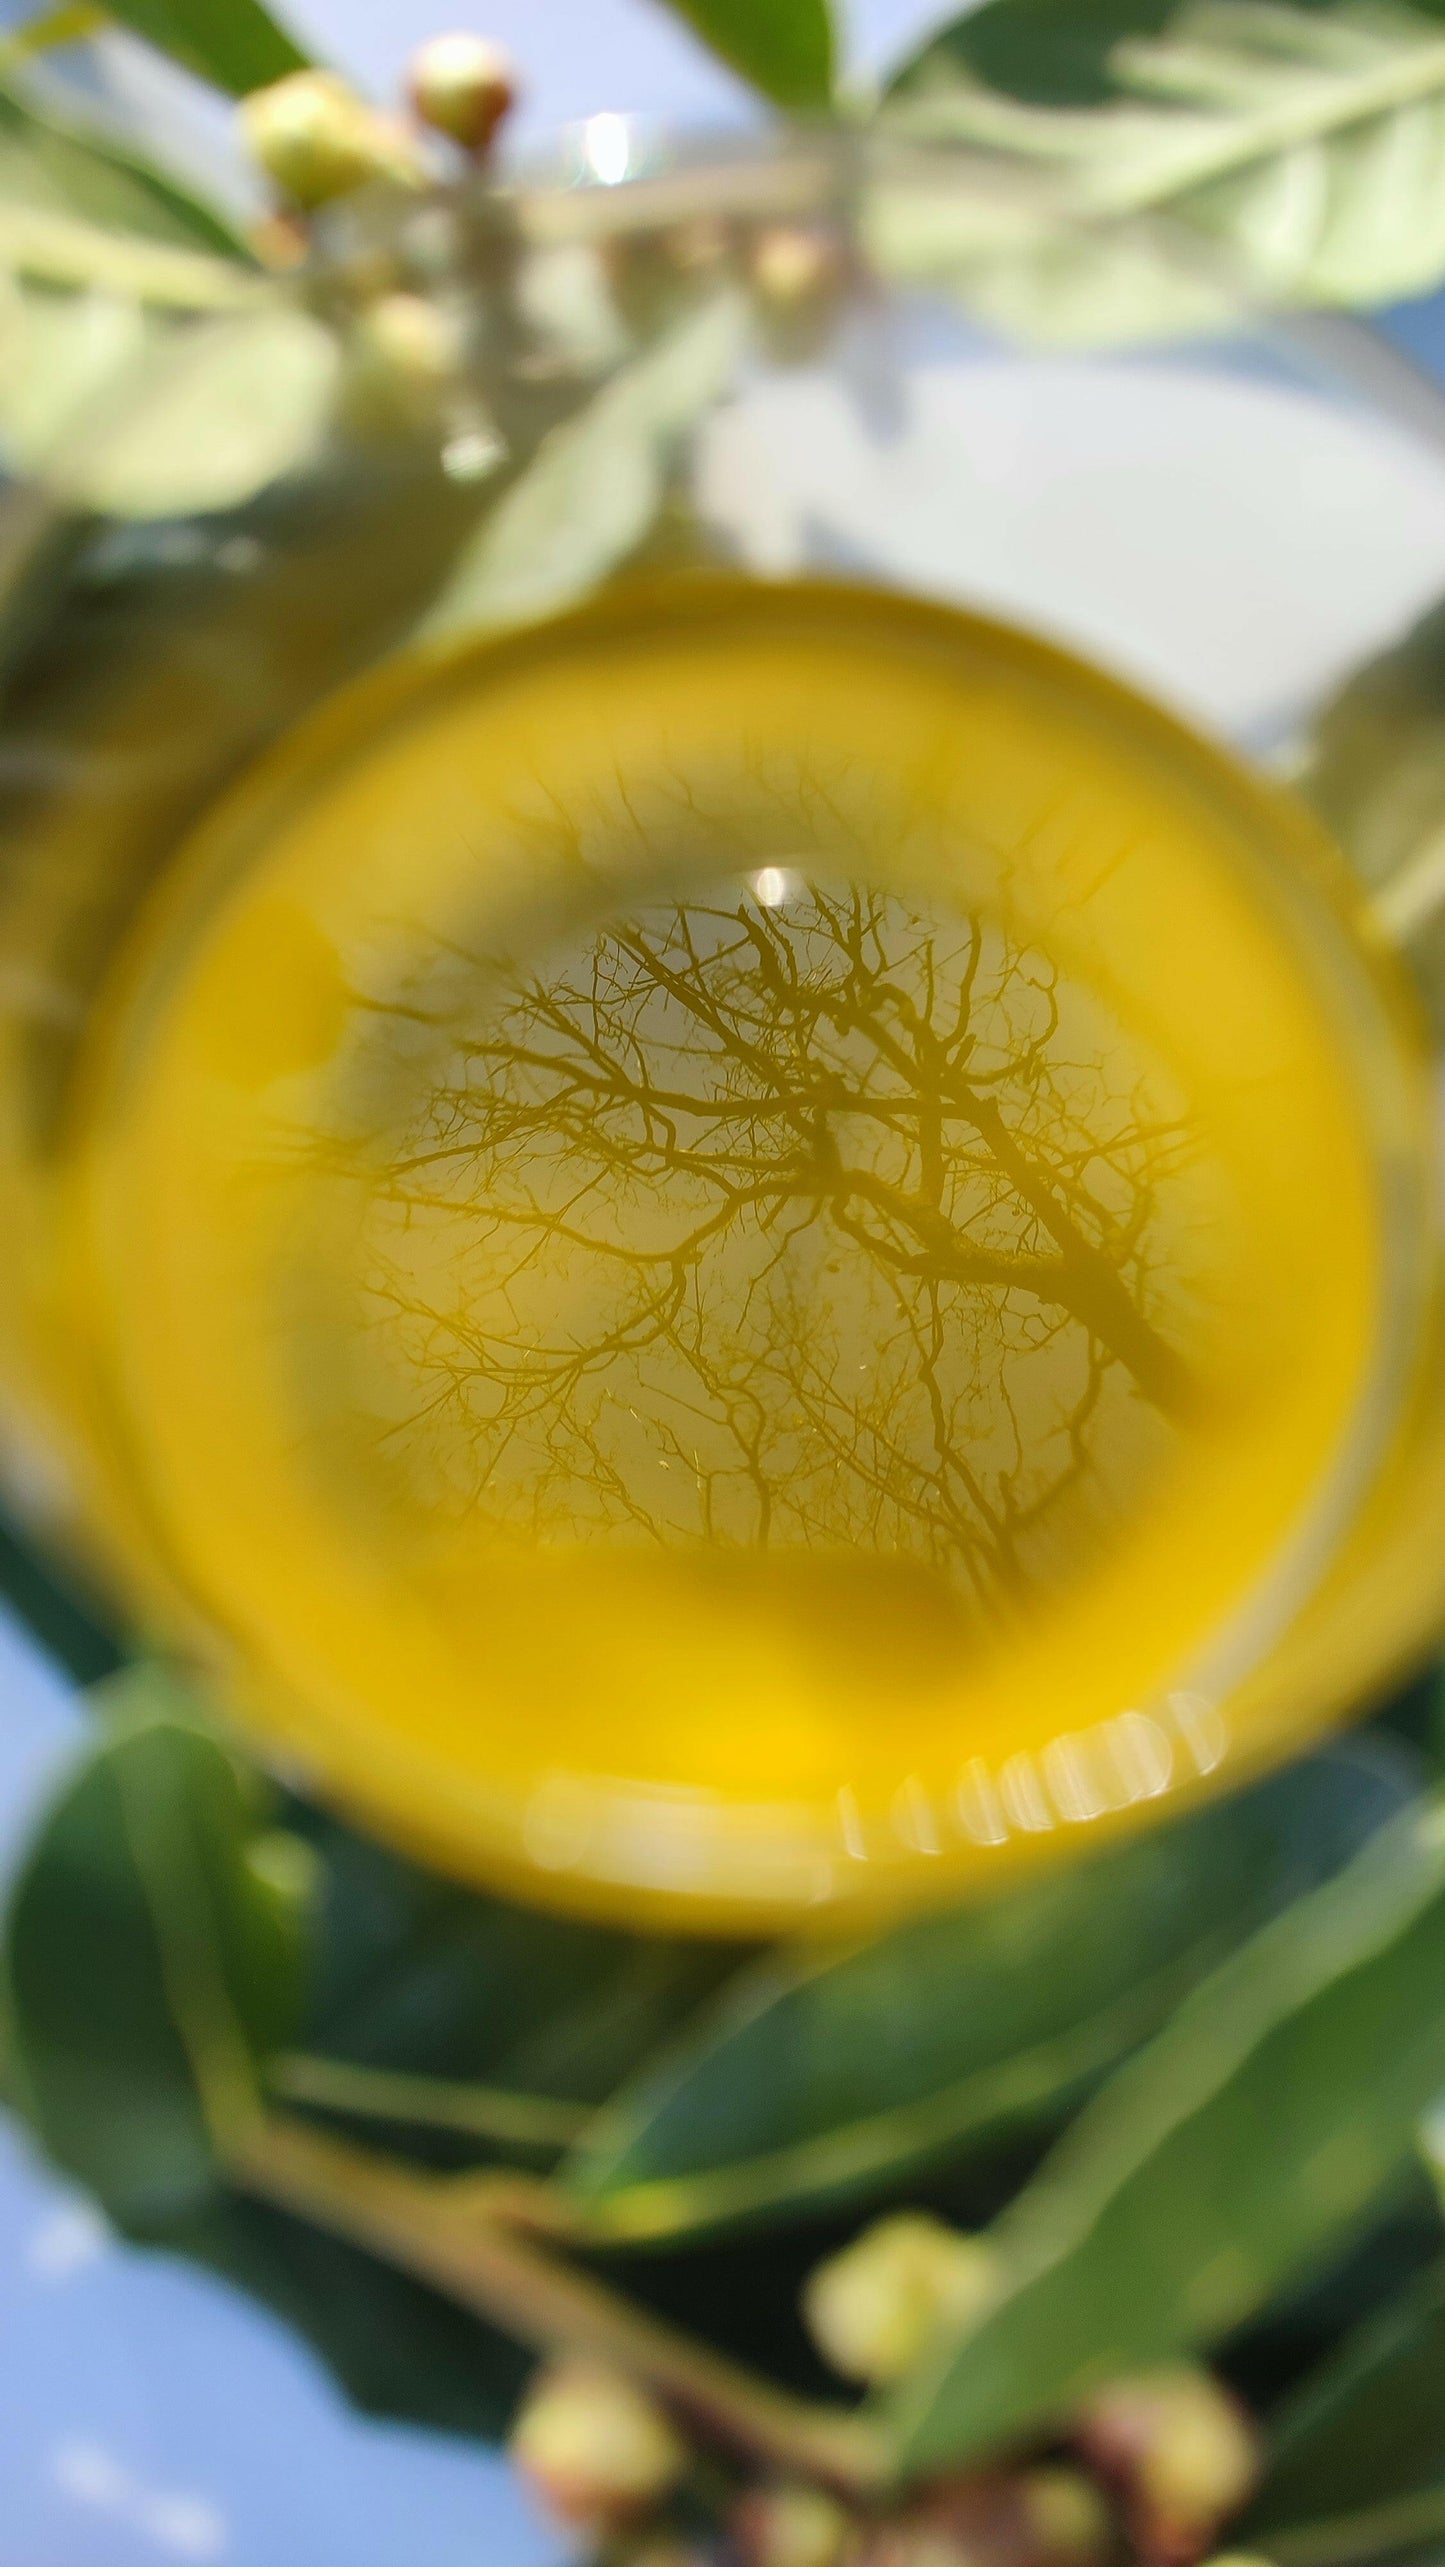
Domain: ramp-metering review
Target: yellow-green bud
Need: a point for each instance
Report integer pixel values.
(1182, 2449)
(1238, 2558)
(918, 2544)
(792, 2527)
(317, 140)
(1068, 2521)
(597, 2451)
(462, 85)
(875, 2308)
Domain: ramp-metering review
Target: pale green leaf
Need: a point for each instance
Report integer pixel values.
(224, 407)
(1163, 162)
(58, 165)
(594, 486)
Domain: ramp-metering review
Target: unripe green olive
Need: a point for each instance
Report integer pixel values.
(597, 2451)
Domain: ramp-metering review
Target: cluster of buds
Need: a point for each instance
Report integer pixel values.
(1048, 2516)
(1169, 2456)
(1181, 2453)
(316, 139)
(873, 2309)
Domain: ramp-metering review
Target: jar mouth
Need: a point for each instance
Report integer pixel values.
(603, 1836)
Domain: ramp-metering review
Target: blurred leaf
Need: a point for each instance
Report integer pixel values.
(53, 163)
(1374, 771)
(1369, 2425)
(826, 2075)
(1252, 2131)
(784, 47)
(396, 2348)
(595, 484)
(143, 1932)
(146, 1969)
(1153, 161)
(235, 44)
(221, 409)
(70, 1625)
(416, 1976)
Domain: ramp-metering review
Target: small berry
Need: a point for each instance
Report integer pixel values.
(876, 2307)
(791, 265)
(795, 2526)
(463, 86)
(597, 2451)
(317, 139)
(1182, 2450)
(1066, 2515)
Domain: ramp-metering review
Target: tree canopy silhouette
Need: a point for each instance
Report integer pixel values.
(815, 1222)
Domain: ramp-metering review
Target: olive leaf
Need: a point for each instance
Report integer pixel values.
(592, 490)
(147, 1969)
(57, 164)
(236, 45)
(146, 1942)
(224, 408)
(1367, 2427)
(830, 2075)
(1148, 163)
(784, 47)
(1374, 772)
(438, 2008)
(1251, 2132)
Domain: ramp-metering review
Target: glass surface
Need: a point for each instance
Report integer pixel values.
(724, 1235)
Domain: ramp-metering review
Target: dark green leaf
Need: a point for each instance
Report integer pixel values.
(396, 2348)
(784, 47)
(56, 164)
(830, 2075)
(1154, 161)
(68, 1622)
(150, 1924)
(235, 44)
(1252, 2132)
(1369, 2425)
(417, 1976)
(147, 1968)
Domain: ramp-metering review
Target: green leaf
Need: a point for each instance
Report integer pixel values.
(1374, 772)
(414, 1977)
(147, 1970)
(1369, 2425)
(785, 48)
(56, 164)
(1251, 2132)
(221, 410)
(1141, 164)
(146, 1935)
(829, 2075)
(592, 490)
(235, 44)
(396, 2348)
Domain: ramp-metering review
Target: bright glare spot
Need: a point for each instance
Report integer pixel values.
(473, 454)
(187, 2526)
(607, 148)
(773, 886)
(65, 2242)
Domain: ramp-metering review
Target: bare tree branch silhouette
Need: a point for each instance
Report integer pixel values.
(829, 1225)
